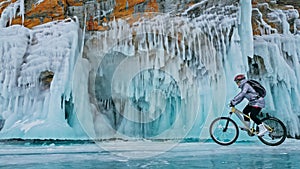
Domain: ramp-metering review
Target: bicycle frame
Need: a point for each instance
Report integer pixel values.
(241, 116)
(225, 130)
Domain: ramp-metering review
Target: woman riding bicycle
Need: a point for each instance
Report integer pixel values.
(255, 104)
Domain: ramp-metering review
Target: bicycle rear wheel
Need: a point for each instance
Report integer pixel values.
(277, 132)
(224, 131)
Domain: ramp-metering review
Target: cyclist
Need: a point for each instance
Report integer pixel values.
(255, 103)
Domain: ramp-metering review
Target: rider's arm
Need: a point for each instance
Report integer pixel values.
(239, 97)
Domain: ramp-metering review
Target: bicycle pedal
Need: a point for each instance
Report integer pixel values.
(250, 134)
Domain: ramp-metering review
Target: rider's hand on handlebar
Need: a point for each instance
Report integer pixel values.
(230, 104)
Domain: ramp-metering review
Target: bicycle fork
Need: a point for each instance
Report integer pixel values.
(226, 125)
(227, 122)
(249, 129)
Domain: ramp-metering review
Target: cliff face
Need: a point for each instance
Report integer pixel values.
(39, 12)
(43, 11)
(188, 48)
(270, 16)
(265, 20)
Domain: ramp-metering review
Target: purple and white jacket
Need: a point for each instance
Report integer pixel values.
(250, 94)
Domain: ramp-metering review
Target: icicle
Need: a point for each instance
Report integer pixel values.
(22, 10)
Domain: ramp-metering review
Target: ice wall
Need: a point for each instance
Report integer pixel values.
(277, 59)
(163, 76)
(198, 54)
(35, 80)
(150, 75)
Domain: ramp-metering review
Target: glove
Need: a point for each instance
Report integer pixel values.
(231, 104)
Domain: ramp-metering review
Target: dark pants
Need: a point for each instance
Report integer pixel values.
(254, 112)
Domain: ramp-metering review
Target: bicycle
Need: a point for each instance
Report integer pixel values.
(225, 131)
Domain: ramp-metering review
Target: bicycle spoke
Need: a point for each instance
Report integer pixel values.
(277, 132)
(224, 131)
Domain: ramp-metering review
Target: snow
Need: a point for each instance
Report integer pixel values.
(162, 78)
(194, 6)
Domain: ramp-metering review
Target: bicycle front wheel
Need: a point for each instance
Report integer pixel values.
(277, 132)
(224, 131)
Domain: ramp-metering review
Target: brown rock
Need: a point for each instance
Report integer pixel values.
(50, 10)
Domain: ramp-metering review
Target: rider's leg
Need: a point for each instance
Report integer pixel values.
(254, 112)
(246, 111)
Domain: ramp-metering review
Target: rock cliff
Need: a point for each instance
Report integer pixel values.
(266, 18)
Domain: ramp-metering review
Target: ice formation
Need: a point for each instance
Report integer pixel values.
(30, 107)
(162, 77)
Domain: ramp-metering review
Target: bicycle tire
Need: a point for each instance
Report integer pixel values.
(217, 133)
(278, 133)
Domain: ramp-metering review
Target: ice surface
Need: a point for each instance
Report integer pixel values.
(162, 77)
(136, 155)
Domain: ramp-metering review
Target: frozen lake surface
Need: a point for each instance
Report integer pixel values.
(145, 154)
